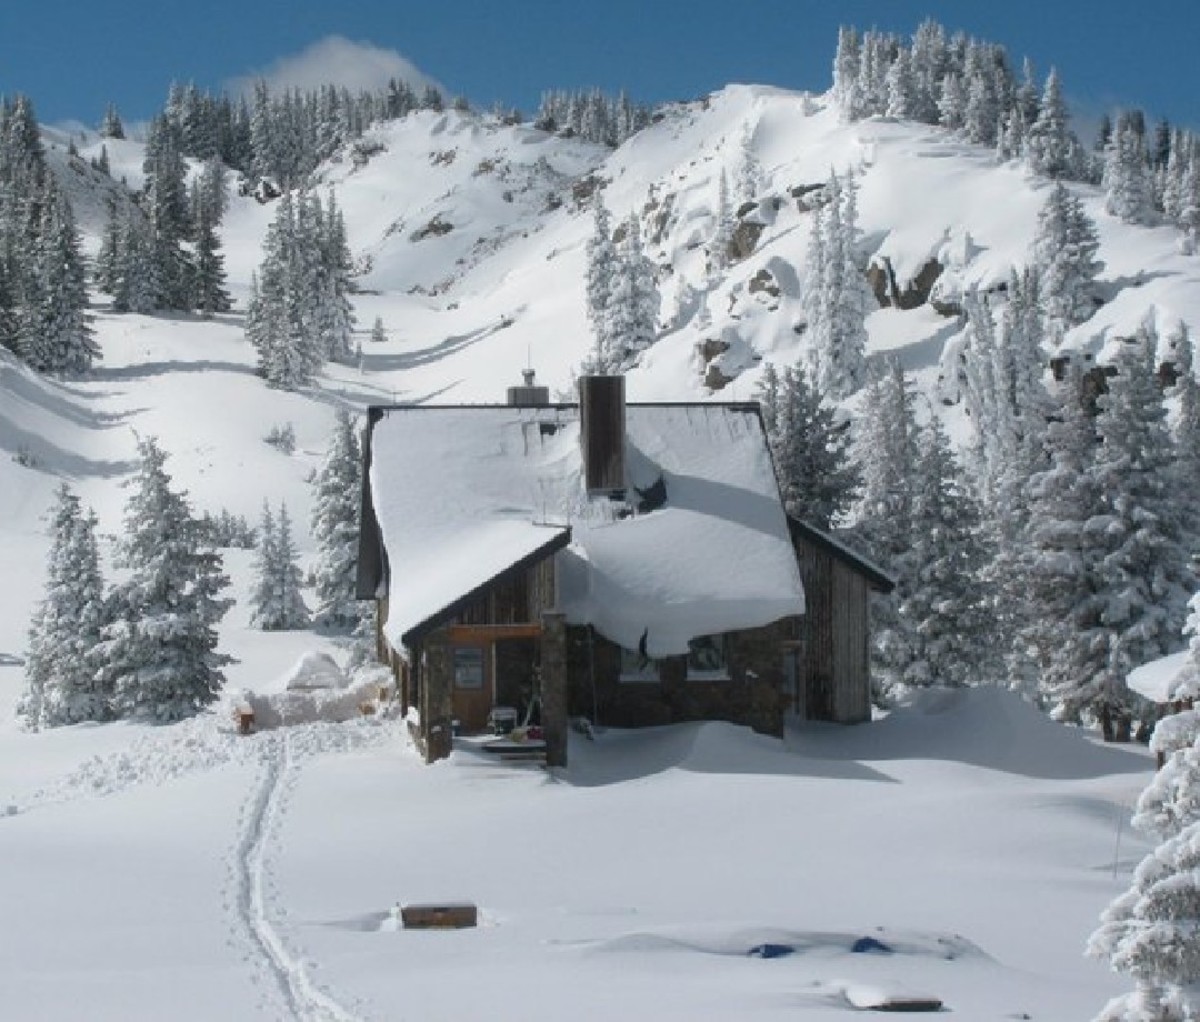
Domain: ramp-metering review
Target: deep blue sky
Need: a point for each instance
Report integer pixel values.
(73, 56)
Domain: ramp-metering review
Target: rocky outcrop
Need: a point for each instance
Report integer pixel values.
(434, 229)
(882, 277)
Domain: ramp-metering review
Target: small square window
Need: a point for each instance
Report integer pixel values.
(468, 667)
(706, 659)
(637, 667)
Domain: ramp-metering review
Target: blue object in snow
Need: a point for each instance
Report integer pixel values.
(870, 946)
(771, 950)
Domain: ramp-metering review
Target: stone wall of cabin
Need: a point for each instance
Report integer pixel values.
(753, 694)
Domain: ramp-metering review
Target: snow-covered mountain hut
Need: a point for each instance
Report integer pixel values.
(631, 564)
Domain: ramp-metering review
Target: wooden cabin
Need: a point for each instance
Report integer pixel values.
(628, 564)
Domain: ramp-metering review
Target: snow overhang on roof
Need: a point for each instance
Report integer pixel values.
(463, 494)
(1167, 679)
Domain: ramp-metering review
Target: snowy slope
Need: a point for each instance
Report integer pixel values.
(134, 856)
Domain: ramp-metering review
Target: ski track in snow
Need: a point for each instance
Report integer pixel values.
(303, 1000)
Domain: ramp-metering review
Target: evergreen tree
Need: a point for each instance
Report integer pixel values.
(111, 126)
(943, 607)
(1127, 182)
(600, 271)
(166, 204)
(811, 450)
(137, 286)
(1187, 428)
(1064, 256)
(632, 306)
(335, 527)
(61, 671)
(276, 603)
(929, 60)
(902, 89)
(1051, 147)
(1149, 932)
(208, 202)
(747, 180)
(1061, 633)
(718, 255)
(1139, 524)
(56, 334)
(160, 651)
(887, 456)
(846, 67)
(836, 296)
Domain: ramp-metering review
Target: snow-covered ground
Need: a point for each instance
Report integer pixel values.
(194, 874)
(190, 873)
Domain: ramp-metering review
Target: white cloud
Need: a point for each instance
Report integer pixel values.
(335, 60)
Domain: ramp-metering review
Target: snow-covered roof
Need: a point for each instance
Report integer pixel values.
(1165, 680)
(461, 494)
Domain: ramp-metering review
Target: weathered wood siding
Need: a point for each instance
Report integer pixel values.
(519, 598)
(851, 646)
(835, 671)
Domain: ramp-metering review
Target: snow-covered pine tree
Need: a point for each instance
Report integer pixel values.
(723, 222)
(137, 287)
(847, 63)
(952, 102)
(1051, 147)
(56, 334)
(1186, 430)
(929, 63)
(1060, 633)
(1139, 524)
(747, 178)
(600, 271)
(836, 296)
(902, 89)
(810, 448)
(61, 670)
(886, 454)
(166, 205)
(333, 315)
(335, 526)
(208, 203)
(944, 609)
(1127, 181)
(276, 603)
(111, 126)
(983, 78)
(160, 650)
(1064, 257)
(1149, 933)
(278, 323)
(631, 310)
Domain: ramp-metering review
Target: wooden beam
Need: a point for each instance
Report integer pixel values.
(475, 635)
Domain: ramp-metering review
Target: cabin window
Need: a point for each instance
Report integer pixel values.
(468, 667)
(637, 668)
(706, 659)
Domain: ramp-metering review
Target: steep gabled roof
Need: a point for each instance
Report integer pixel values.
(876, 577)
(463, 493)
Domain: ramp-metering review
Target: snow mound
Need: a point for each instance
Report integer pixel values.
(311, 706)
(315, 670)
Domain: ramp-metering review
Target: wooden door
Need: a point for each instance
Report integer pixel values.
(472, 687)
